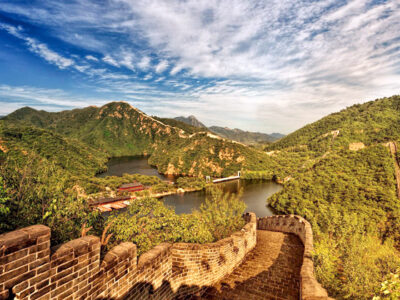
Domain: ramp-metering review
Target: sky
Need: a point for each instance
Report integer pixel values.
(268, 66)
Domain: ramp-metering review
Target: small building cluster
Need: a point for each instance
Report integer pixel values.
(131, 187)
(109, 203)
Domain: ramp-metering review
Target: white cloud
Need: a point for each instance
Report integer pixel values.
(162, 66)
(287, 62)
(33, 96)
(176, 69)
(144, 63)
(147, 77)
(40, 49)
(91, 57)
(111, 61)
(49, 55)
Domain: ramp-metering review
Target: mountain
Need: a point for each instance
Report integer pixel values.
(191, 120)
(118, 129)
(370, 123)
(21, 143)
(182, 125)
(342, 179)
(276, 135)
(245, 137)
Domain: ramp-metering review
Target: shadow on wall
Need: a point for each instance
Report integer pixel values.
(74, 270)
(263, 275)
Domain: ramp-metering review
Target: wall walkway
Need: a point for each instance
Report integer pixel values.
(30, 269)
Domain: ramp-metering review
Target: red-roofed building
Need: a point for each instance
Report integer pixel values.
(131, 187)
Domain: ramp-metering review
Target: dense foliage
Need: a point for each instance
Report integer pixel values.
(372, 122)
(118, 129)
(148, 222)
(348, 196)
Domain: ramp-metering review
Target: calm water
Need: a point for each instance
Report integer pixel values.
(117, 166)
(255, 192)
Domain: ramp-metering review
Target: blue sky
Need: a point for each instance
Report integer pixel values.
(269, 66)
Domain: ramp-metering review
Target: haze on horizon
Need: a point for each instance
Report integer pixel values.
(253, 65)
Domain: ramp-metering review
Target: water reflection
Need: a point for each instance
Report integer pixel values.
(117, 166)
(255, 194)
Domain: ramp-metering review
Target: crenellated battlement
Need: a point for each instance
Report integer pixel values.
(29, 269)
(74, 271)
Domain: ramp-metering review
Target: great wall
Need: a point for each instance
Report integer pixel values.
(270, 258)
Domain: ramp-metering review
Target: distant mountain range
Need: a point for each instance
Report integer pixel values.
(238, 135)
(191, 120)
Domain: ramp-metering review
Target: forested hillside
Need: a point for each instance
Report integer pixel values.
(345, 186)
(118, 129)
(39, 171)
(372, 122)
(245, 137)
(182, 125)
(338, 173)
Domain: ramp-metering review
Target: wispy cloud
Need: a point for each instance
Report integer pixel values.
(91, 57)
(162, 66)
(284, 63)
(108, 59)
(39, 48)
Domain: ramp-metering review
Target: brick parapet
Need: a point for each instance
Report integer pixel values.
(31, 270)
(310, 288)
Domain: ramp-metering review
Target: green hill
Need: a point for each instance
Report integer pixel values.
(345, 185)
(245, 137)
(19, 142)
(370, 123)
(182, 125)
(119, 129)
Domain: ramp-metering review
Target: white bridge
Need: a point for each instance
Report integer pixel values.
(208, 178)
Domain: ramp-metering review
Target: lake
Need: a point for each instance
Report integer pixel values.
(255, 192)
(133, 165)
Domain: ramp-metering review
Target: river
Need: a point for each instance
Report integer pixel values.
(255, 192)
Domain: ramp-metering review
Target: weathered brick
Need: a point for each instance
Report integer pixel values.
(13, 275)
(15, 264)
(39, 278)
(20, 287)
(4, 295)
(13, 256)
(35, 231)
(40, 293)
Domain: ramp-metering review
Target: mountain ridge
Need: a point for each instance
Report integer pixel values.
(236, 134)
(191, 120)
(119, 129)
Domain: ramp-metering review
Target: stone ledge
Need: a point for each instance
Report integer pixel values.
(148, 257)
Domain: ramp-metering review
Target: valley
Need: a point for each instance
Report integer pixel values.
(337, 173)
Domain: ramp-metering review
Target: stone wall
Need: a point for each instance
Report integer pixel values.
(310, 287)
(74, 270)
